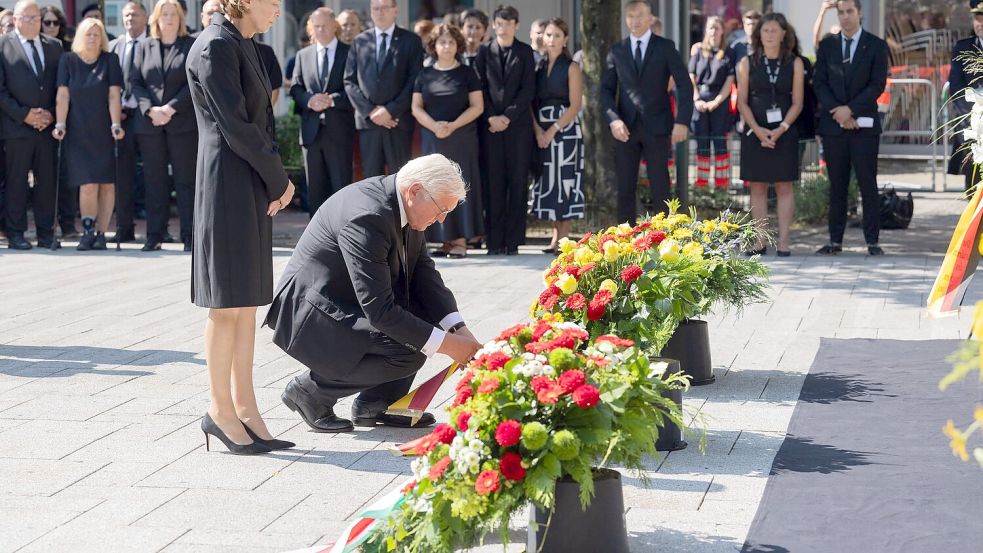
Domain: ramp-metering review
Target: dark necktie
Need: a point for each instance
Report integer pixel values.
(325, 70)
(638, 56)
(382, 50)
(38, 66)
(846, 51)
(505, 57)
(131, 47)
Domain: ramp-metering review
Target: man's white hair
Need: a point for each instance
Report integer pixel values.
(22, 4)
(438, 175)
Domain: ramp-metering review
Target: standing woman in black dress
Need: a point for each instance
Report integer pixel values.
(90, 81)
(558, 194)
(240, 185)
(447, 99)
(165, 124)
(770, 91)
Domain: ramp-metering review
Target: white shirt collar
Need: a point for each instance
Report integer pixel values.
(855, 35)
(402, 208)
(138, 38)
(644, 39)
(389, 31)
(24, 40)
(329, 46)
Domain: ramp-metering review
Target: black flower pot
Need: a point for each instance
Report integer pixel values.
(690, 344)
(670, 435)
(599, 529)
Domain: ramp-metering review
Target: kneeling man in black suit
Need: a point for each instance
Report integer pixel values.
(361, 303)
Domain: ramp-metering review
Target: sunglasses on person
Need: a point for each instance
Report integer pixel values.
(50, 22)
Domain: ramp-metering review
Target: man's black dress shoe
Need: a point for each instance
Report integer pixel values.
(318, 417)
(272, 443)
(152, 244)
(496, 251)
(512, 251)
(48, 243)
(830, 249)
(373, 413)
(874, 249)
(17, 242)
(188, 245)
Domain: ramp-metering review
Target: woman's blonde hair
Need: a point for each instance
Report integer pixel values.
(78, 43)
(233, 9)
(708, 48)
(182, 29)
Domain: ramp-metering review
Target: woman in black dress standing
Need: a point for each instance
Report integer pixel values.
(165, 124)
(558, 192)
(446, 101)
(89, 82)
(240, 184)
(770, 96)
(712, 72)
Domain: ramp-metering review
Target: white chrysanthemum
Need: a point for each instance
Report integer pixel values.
(519, 386)
(606, 348)
(494, 347)
(420, 468)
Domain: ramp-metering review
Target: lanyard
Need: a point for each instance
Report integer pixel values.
(773, 79)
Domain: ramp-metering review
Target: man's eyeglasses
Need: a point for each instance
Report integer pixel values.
(49, 22)
(28, 18)
(442, 210)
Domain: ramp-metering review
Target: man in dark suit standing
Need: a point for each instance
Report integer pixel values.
(636, 102)
(851, 72)
(508, 78)
(379, 76)
(125, 47)
(28, 70)
(327, 121)
(361, 303)
(961, 161)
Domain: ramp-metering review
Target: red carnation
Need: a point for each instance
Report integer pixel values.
(642, 243)
(538, 382)
(438, 468)
(488, 385)
(571, 270)
(462, 420)
(496, 361)
(511, 332)
(462, 396)
(586, 396)
(508, 433)
(550, 302)
(620, 342)
(542, 327)
(657, 236)
(572, 379)
(584, 240)
(511, 466)
(553, 290)
(643, 226)
(630, 273)
(549, 393)
(465, 381)
(586, 268)
(553, 270)
(426, 444)
(602, 297)
(595, 312)
(576, 302)
(487, 482)
(576, 334)
(444, 433)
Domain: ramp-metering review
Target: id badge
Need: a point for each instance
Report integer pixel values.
(774, 115)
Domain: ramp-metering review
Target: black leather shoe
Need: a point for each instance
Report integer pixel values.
(17, 242)
(152, 244)
(512, 251)
(209, 428)
(168, 239)
(87, 241)
(373, 413)
(874, 249)
(298, 401)
(496, 251)
(273, 443)
(125, 235)
(187, 245)
(100, 241)
(830, 249)
(49, 243)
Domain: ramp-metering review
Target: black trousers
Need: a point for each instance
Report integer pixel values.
(385, 374)
(859, 152)
(710, 127)
(68, 197)
(627, 155)
(384, 151)
(328, 163)
(126, 168)
(506, 156)
(180, 150)
(38, 154)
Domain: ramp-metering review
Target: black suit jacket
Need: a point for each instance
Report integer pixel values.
(960, 80)
(20, 89)
(391, 85)
(347, 279)
(508, 91)
(632, 96)
(338, 120)
(156, 85)
(856, 86)
(118, 47)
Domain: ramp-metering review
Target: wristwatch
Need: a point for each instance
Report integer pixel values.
(457, 326)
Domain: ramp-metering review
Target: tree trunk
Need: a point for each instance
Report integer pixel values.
(600, 25)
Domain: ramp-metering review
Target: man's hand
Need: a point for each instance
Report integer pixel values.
(460, 347)
(38, 118)
(320, 102)
(841, 114)
(850, 124)
(380, 116)
(159, 116)
(620, 131)
(498, 123)
(680, 133)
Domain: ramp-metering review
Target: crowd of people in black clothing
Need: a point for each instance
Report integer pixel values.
(508, 112)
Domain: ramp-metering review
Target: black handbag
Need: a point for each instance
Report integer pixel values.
(896, 210)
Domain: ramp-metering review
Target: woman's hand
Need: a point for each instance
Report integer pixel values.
(443, 130)
(282, 202)
(58, 133)
(764, 135)
(545, 138)
(118, 132)
(700, 106)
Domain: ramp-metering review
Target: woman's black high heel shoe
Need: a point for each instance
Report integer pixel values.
(273, 444)
(208, 427)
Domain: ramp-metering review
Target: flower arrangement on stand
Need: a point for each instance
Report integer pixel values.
(541, 402)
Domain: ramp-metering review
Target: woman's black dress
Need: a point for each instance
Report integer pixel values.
(558, 193)
(780, 164)
(445, 98)
(89, 139)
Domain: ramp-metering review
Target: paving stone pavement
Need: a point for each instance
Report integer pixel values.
(103, 383)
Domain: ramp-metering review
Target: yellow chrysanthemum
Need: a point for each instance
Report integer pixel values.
(567, 284)
(957, 441)
(727, 227)
(566, 245)
(583, 255)
(708, 226)
(609, 285)
(612, 252)
(682, 233)
(693, 249)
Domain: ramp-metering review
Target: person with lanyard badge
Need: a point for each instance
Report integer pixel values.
(769, 98)
(712, 74)
(960, 81)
